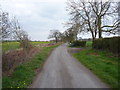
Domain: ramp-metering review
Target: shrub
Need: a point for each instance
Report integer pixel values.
(109, 44)
(26, 45)
(78, 43)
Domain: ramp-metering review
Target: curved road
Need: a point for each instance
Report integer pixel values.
(61, 70)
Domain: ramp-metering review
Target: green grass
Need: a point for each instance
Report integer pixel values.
(24, 73)
(89, 44)
(6, 46)
(102, 63)
(39, 42)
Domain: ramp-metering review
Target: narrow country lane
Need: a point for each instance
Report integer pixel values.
(61, 70)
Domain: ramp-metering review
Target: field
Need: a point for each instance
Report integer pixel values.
(8, 46)
(102, 63)
(39, 42)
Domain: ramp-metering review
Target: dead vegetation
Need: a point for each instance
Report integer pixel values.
(12, 59)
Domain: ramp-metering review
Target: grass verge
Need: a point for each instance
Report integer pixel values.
(102, 63)
(23, 75)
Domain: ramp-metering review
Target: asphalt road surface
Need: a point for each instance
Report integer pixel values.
(61, 70)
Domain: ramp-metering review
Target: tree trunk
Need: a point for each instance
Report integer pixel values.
(56, 39)
(99, 27)
(93, 35)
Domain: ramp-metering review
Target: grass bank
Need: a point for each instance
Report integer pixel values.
(102, 63)
(23, 75)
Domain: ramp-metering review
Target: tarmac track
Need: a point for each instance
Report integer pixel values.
(61, 70)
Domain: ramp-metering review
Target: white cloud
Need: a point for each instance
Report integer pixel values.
(37, 17)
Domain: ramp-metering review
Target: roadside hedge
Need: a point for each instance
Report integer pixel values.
(78, 43)
(109, 44)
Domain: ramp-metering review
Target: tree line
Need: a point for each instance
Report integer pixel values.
(93, 17)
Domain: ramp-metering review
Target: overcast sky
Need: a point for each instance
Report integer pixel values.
(38, 17)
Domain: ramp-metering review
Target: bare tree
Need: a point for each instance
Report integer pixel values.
(92, 16)
(65, 36)
(54, 34)
(74, 27)
(20, 35)
(104, 10)
(82, 11)
(68, 35)
(119, 17)
(5, 28)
